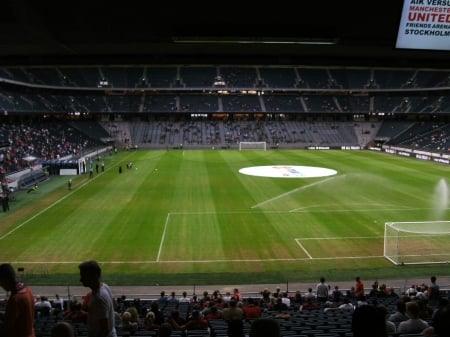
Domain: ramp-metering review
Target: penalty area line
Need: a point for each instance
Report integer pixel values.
(303, 248)
(207, 261)
(163, 237)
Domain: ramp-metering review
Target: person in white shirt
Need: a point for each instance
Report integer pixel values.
(322, 290)
(411, 291)
(414, 324)
(43, 306)
(58, 304)
(184, 298)
(346, 305)
(310, 294)
(227, 298)
(101, 308)
(285, 299)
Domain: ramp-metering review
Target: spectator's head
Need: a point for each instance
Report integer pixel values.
(412, 309)
(383, 310)
(90, 273)
(441, 322)
(175, 314)
(401, 306)
(235, 328)
(154, 306)
(150, 317)
(368, 321)
(62, 329)
(165, 330)
(265, 327)
(7, 277)
(195, 314)
(126, 317)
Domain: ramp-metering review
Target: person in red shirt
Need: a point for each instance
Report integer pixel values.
(214, 313)
(359, 288)
(310, 304)
(195, 322)
(18, 318)
(251, 309)
(237, 295)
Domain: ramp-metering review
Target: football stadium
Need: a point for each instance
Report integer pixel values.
(217, 156)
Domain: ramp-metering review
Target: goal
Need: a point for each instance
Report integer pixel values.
(423, 242)
(252, 146)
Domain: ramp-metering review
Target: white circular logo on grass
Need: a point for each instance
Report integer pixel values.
(288, 171)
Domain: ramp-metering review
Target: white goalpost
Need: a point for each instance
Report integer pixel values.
(252, 146)
(424, 242)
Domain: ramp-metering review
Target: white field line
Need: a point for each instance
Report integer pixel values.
(360, 210)
(205, 261)
(295, 190)
(166, 223)
(158, 260)
(303, 248)
(298, 240)
(53, 204)
(374, 204)
(45, 209)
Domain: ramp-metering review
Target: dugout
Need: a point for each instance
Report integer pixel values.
(61, 166)
(32, 178)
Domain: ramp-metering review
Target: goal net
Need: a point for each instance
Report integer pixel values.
(252, 146)
(423, 242)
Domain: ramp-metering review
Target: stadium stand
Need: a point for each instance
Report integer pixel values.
(293, 321)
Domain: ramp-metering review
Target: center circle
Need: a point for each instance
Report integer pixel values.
(287, 171)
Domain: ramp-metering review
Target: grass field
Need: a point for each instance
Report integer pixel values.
(189, 217)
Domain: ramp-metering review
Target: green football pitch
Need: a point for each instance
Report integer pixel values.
(181, 217)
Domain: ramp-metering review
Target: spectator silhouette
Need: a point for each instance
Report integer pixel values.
(43, 307)
(265, 327)
(233, 311)
(441, 323)
(235, 328)
(433, 292)
(196, 322)
(414, 324)
(400, 314)
(165, 330)
(359, 288)
(252, 310)
(336, 295)
(5, 202)
(175, 320)
(322, 290)
(101, 312)
(18, 318)
(391, 328)
(62, 329)
(368, 321)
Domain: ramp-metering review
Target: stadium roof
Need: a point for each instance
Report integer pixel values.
(112, 32)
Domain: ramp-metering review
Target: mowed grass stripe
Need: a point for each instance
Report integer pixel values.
(191, 212)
